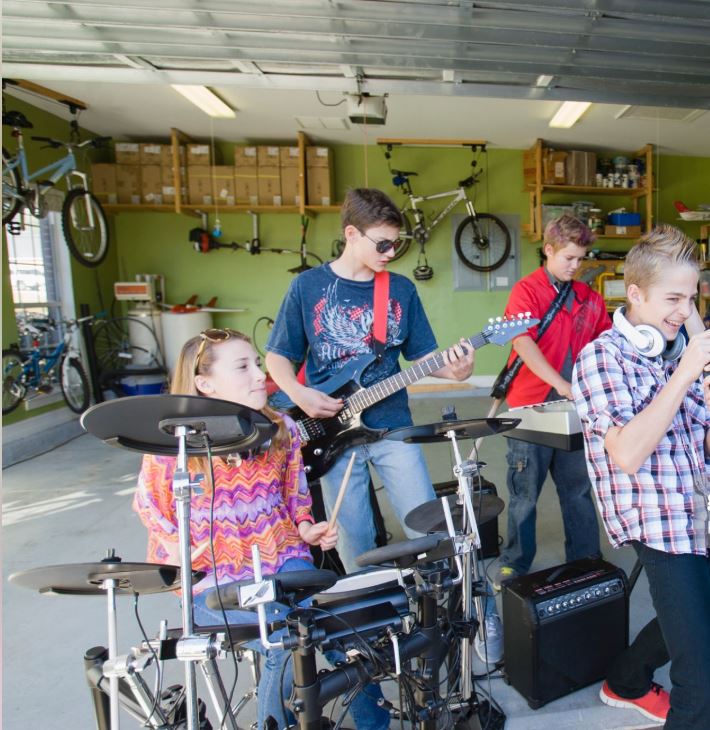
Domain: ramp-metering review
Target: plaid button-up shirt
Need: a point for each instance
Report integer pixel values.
(664, 504)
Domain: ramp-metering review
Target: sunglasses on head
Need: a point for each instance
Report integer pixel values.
(211, 335)
(384, 245)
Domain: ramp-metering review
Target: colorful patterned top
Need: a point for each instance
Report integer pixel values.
(260, 501)
(662, 505)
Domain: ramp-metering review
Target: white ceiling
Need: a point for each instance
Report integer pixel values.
(451, 69)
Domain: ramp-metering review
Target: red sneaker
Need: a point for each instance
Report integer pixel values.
(654, 704)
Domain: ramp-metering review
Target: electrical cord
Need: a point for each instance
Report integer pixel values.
(269, 323)
(228, 703)
(159, 692)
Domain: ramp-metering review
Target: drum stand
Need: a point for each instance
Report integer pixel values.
(464, 471)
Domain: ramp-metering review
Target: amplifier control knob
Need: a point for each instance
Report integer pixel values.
(587, 595)
(318, 452)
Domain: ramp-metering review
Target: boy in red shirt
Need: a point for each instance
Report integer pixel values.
(545, 376)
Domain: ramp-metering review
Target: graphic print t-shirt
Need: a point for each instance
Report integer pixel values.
(330, 319)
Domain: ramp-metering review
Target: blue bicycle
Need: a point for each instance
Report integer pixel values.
(39, 369)
(83, 219)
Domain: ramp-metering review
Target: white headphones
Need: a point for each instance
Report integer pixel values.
(646, 339)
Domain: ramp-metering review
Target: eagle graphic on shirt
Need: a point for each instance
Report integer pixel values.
(344, 330)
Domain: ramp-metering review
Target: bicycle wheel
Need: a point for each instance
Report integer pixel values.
(482, 242)
(13, 386)
(405, 234)
(87, 243)
(74, 384)
(10, 185)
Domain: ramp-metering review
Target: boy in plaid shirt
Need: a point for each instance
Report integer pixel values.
(639, 396)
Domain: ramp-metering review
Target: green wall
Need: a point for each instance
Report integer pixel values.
(91, 286)
(158, 242)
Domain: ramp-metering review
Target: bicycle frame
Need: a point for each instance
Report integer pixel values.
(65, 167)
(31, 367)
(458, 196)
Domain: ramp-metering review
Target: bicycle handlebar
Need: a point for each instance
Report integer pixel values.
(56, 143)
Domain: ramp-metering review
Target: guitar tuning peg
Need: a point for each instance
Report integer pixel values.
(528, 314)
(499, 319)
(490, 320)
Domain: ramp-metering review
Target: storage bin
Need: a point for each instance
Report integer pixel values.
(143, 384)
(624, 219)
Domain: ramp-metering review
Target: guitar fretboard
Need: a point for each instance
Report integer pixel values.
(367, 397)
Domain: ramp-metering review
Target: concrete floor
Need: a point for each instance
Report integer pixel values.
(73, 503)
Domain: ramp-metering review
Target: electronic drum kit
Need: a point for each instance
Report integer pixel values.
(387, 618)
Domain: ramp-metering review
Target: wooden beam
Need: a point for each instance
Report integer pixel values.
(48, 93)
(436, 142)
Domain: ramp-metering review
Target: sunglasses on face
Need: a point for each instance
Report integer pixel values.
(384, 245)
(211, 335)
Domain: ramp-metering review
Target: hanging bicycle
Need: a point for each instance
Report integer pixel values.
(482, 240)
(83, 219)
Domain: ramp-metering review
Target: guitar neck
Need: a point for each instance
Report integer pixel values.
(367, 397)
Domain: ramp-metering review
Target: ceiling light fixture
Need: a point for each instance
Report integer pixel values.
(544, 80)
(569, 113)
(206, 100)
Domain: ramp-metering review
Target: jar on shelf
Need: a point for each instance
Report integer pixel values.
(596, 220)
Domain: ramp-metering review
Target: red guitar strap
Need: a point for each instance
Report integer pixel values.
(379, 322)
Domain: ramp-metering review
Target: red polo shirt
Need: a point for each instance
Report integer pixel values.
(568, 330)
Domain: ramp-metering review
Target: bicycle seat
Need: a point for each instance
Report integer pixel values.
(467, 182)
(16, 119)
(404, 173)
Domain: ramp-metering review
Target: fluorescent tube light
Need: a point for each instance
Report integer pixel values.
(568, 113)
(206, 100)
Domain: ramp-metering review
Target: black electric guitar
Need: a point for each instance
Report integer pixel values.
(324, 439)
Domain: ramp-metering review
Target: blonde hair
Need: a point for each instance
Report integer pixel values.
(655, 251)
(566, 229)
(183, 382)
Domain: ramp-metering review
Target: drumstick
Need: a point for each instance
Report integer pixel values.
(199, 550)
(341, 493)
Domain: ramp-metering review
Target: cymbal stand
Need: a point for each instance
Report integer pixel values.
(109, 585)
(464, 472)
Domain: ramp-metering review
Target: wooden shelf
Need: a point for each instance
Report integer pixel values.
(594, 190)
(641, 198)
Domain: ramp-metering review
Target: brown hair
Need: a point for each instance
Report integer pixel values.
(566, 229)
(183, 382)
(655, 251)
(368, 207)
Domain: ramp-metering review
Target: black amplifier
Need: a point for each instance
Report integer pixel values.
(562, 627)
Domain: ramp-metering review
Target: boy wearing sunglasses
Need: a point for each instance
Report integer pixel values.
(326, 319)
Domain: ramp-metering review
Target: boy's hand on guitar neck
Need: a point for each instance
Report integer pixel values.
(315, 403)
(459, 361)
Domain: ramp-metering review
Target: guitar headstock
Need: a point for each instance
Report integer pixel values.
(501, 330)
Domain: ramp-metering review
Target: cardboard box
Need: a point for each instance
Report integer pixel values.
(289, 186)
(530, 168)
(151, 153)
(128, 184)
(319, 186)
(199, 184)
(168, 189)
(152, 184)
(127, 153)
(198, 154)
(223, 184)
(246, 186)
(289, 157)
(317, 157)
(622, 230)
(555, 167)
(581, 168)
(269, 182)
(166, 159)
(245, 157)
(268, 156)
(103, 182)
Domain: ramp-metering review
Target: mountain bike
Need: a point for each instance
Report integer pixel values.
(40, 368)
(83, 219)
(482, 240)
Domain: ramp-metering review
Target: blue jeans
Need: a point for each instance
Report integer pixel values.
(528, 465)
(271, 694)
(680, 591)
(403, 471)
